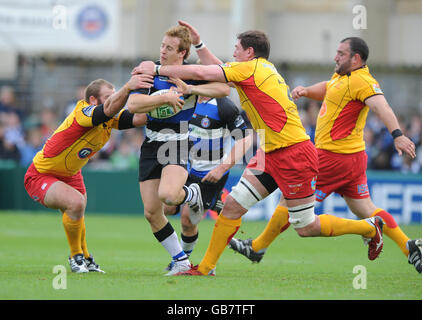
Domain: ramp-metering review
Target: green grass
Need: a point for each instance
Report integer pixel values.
(293, 267)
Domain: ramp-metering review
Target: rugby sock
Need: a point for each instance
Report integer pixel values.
(277, 224)
(224, 230)
(189, 194)
(392, 230)
(73, 230)
(188, 243)
(332, 226)
(168, 239)
(83, 239)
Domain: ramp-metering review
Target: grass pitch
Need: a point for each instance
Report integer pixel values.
(32, 244)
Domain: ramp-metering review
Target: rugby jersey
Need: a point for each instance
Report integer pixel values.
(213, 127)
(176, 126)
(265, 97)
(343, 113)
(74, 142)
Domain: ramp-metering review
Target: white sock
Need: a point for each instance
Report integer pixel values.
(169, 240)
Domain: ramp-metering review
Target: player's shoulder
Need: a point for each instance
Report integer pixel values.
(362, 75)
(362, 79)
(83, 108)
(235, 64)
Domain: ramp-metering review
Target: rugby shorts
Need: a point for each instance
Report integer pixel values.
(37, 184)
(294, 169)
(341, 173)
(155, 155)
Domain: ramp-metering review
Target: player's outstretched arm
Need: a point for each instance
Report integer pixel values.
(212, 89)
(184, 72)
(315, 92)
(204, 54)
(379, 105)
(118, 99)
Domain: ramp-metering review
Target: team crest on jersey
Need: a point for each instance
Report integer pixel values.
(205, 122)
(84, 153)
(239, 121)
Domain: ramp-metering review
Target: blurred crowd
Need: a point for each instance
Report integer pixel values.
(23, 135)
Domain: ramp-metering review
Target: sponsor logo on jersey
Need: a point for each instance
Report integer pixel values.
(313, 183)
(85, 152)
(377, 88)
(323, 110)
(226, 65)
(88, 111)
(239, 121)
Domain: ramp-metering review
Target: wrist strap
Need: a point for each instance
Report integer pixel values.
(200, 45)
(396, 133)
(157, 69)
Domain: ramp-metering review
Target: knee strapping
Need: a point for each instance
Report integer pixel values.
(302, 215)
(245, 194)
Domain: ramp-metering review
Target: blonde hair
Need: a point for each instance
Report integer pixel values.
(183, 34)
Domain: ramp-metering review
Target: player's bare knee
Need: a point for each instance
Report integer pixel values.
(232, 209)
(148, 215)
(76, 207)
(168, 197)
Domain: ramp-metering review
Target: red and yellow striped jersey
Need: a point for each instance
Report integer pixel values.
(74, 142)
(265, 97)
(343, 113)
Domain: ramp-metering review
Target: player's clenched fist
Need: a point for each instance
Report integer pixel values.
(298, 92)
(145, 67)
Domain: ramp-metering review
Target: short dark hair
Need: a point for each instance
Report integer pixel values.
(256, 39)
(358, 46)
(93, 89)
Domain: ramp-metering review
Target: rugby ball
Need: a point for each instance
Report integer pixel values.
(165, 110)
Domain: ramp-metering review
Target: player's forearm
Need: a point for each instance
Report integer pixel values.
(238, 151)
(317, 91)
(116, 101)
(142, 103)
(213, 90)
(207, 57)
(194, 72)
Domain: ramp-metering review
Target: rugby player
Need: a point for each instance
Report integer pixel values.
(287, 159)
(347, 98)
(164, 153)
(54, 178)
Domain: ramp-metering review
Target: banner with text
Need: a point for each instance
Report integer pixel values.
(80, 27)
(400, 195)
